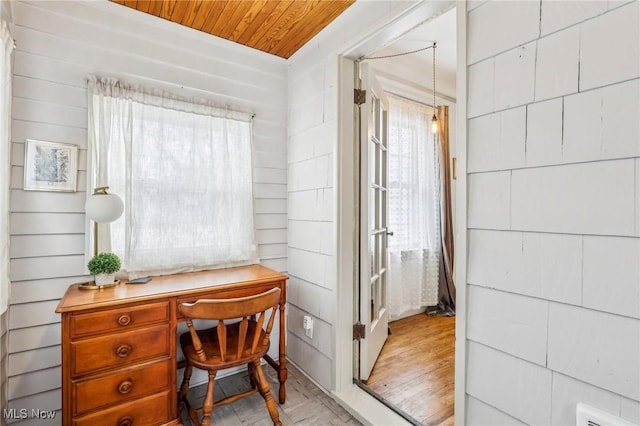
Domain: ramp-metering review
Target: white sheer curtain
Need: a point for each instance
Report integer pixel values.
(414, 249)
(184, 171)
(6, 47)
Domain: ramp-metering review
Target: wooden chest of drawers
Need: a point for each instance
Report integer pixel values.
(119, 344)
(119, 365)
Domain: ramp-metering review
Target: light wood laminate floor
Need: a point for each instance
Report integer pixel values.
(415, 370)
(306, 404)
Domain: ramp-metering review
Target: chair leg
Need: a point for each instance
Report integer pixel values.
(183, 400)
(265, 391)
(186, 378)
(252, 375)
(207, 407)
(184, 389)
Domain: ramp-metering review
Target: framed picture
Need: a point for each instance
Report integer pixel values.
(50, 166)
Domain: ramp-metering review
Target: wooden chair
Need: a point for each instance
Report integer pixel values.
(229, 345)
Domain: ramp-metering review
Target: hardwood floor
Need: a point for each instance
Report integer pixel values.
(306, 403)
(415, 370)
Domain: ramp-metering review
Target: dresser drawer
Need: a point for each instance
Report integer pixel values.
(118, 349)
(149, 411)
(123, 385)
(123, 318)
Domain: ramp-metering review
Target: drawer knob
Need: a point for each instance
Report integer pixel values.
(125, 421)
(123, 351)
(125, 387)
(124, 319)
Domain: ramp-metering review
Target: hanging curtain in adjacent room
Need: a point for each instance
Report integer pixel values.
(447, 291)
(414, 248)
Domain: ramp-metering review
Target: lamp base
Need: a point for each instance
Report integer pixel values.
(91, 285)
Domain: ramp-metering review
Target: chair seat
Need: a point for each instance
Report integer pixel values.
(229, 344)
(211, 346)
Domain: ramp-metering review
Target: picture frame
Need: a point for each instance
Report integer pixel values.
(50, 166)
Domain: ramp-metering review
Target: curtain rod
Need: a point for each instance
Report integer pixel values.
(406, 98)
(369, 58)
(413, 85)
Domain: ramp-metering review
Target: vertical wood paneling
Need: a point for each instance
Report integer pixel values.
(60, 43)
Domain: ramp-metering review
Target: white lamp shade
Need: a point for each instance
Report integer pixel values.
(104, 208)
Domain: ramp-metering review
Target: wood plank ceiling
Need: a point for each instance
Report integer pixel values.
(279, 27)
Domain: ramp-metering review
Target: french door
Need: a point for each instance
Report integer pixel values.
(374, 315)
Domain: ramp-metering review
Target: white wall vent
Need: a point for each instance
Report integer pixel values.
(590, 416)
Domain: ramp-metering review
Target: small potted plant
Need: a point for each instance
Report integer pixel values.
(104, 267)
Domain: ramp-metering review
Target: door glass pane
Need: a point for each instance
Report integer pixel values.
(383, 288)
(384, 253)
(372, 160)
(373, 259)
(374, 114)
(376, 207)
(374, 291)
(372, 206)
(380, 246)
(383, 169)
(382, 292)
(376, 174)
(383, 210)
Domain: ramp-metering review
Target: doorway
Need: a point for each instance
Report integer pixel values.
(375, 272)
(360, 403)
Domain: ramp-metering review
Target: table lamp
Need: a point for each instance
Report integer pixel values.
(102, 207)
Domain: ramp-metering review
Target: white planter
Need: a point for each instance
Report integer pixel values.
(103, 279)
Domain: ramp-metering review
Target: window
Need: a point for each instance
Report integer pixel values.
(6, 47)
(414, 207)
(184, 171)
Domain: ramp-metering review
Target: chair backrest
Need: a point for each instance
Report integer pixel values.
(252, 334)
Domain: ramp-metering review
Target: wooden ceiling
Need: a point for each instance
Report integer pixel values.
(279, 27)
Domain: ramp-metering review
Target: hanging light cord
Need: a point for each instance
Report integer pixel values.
(433, 46)
(434, 75)
(434, 119)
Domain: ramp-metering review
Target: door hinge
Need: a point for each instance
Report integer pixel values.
(359, 96)
(358, 331)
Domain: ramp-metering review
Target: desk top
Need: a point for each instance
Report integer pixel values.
(182, 284)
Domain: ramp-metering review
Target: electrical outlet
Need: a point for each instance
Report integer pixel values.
(307, 324)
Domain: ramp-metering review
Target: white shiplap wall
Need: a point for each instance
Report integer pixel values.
(554, 240)
(312, 158)
(5, 13)
(4, 358)
(59, 44)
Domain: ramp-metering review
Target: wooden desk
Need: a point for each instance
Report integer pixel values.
(119, 344)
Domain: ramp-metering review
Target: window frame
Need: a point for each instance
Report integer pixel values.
(149, 98)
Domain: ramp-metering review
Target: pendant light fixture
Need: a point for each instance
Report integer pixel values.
(434, 119)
